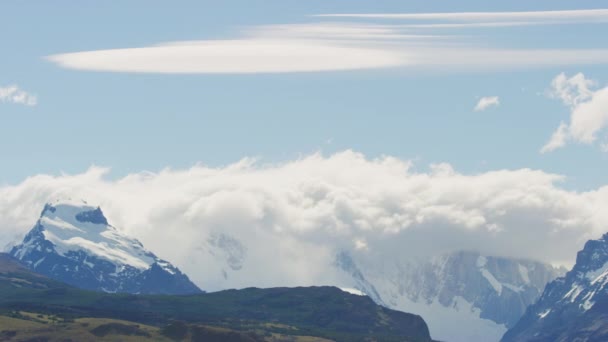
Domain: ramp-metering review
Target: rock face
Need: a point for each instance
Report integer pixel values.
(462, 296)
(74, 243)
(573, 307)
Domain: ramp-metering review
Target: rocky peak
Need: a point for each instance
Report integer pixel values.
(74, 243)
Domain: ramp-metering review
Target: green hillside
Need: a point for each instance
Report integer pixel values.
(248, 314)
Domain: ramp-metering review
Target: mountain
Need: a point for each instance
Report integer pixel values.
(463, 296)
(74, 243)
(312, 313)
(572, 307)
(14, 275)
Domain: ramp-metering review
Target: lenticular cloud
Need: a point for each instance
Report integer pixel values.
(296, 215)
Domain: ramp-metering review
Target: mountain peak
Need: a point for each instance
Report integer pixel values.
(67, 201)
(593, 256)
(568, 298)
(73, 242)
(81, 210)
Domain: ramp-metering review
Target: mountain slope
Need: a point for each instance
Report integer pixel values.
(571, 307)
(325, 312)
(15, 275)
(75, 244)
(463, 296)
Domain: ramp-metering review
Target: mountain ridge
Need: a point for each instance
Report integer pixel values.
(463, 296)
(572, 306)
(74, 243)
(322, 311)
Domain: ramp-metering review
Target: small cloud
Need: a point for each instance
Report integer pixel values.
(572, 91)
(16, 95)
(588, 110)
(361, 244)
(487, 102)
(558, 139)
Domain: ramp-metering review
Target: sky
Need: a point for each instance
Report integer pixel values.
(509, 95)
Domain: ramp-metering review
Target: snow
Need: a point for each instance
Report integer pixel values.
(587, 304)
(481, 261)
(166, 266)
(441, 300)
(38, 262)
(103, 241)
(458, 322)
(25, 248)
(544, 314)
(574, 292)
(58, 223)
(490, 278)
(523, 272)
(597, 275)
(353, 291)
(513, 288)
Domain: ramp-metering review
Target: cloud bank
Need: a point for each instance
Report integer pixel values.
(487, 102)
(16, 95)
(588, 111)
(224, 226)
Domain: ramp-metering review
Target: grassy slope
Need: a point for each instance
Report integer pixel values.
(34, 328)
(39, 327)
(314, 311)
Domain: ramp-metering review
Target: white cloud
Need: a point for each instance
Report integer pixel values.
(14, 94)
(316, 47)
(584, 16)
(588, 110)
(572, 91)
(487, 102)
(295, 216)
(275, 56)
(557, 140)
(472, 25)
(251, 55)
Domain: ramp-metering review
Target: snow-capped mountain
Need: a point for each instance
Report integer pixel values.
(574, 306)
(73, 242)
(462, 296)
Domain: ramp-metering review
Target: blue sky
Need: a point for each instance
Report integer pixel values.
(337, 100)
(148, 120)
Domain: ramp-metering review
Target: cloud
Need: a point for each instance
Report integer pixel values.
(588, 110)
(322, 47)
(251, 55)
(570, 16)
(472, 25)
(557, 140)
(296, 215)
(14, 94)
(572, 91)
(261, 49)
(487, 102)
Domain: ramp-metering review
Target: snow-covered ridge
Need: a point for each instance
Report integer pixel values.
(353, 291)
(73, 242)
(567, 300)
(70, 228)
(589, 276)
(463, 296)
